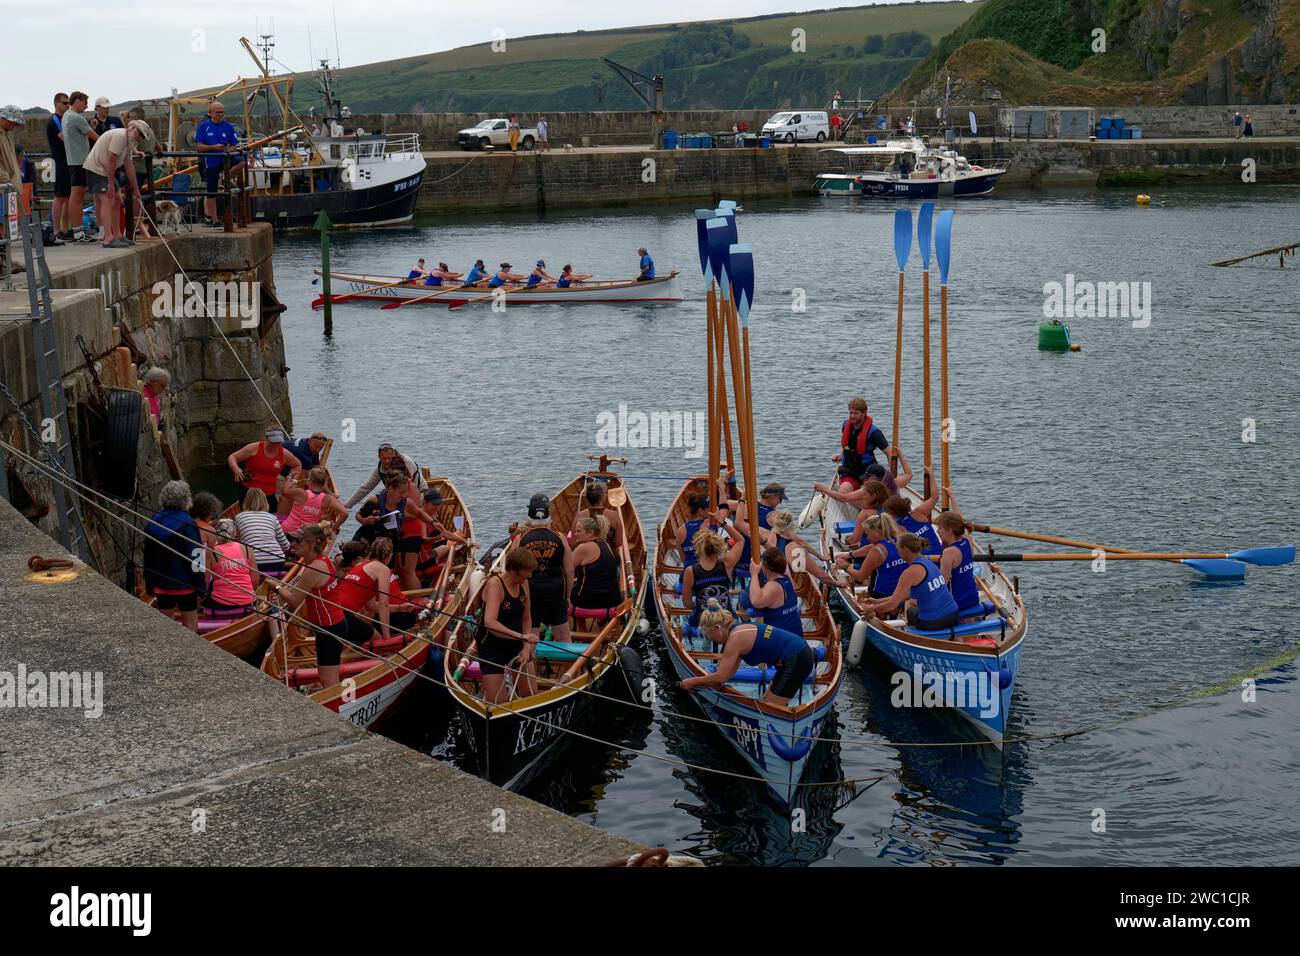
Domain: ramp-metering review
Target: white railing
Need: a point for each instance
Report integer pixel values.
(402, 146)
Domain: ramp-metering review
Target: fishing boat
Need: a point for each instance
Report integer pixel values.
(296, 172)
(376, 677)
(778, 742)
(511, 738)
(390, 289)
(986, 649)
(931, 172)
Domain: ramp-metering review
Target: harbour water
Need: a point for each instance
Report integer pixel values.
(1136, 441)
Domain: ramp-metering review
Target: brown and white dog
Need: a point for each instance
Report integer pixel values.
(168, 215)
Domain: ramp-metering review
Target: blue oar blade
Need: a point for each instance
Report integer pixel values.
(702, 216)
(741, 264)
(902, 237)
(1270, 557)
(1221, 569)
(943, 243)
(719, 247)
(924, 220)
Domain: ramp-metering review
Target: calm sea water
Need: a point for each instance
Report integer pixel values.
(1135, 441)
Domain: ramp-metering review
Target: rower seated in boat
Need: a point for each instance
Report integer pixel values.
(958, 563)
(709, 577)
(505, 638)
(881, 563)
(796, 550)
(860, 438)
(402, 503)
(261, 531)
(419, 272)
(476, 274)
(568, 277)
(233, 578)
(595, 569)
(917, 520)
(362, 594)
(647, 266)
(772, 593)
(440, 275)
(311, 505)
(930, 605)
(437, 541)
(504, 276)
(539, 275)
(551, 580)
(596, 504)
(311, 597)
(769, 499)
(686, 532)
(755, 644)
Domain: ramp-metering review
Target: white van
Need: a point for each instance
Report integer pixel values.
(806, 125)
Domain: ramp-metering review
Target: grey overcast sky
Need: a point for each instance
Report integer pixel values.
(131, 49)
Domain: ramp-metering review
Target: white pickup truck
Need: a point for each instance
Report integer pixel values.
(496, 133)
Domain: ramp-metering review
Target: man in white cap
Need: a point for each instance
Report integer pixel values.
(113, 151)
(11, 118)
(103, 122)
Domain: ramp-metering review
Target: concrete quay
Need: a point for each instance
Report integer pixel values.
(198, 759)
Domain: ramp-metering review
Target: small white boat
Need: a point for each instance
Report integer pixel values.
(381, 288)
(907, 168)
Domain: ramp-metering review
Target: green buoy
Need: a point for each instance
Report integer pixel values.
(1054, 336)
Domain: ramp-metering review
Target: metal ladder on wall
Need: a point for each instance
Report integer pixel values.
(49, 377)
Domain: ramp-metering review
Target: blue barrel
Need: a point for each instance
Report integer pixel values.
(765, 142)
(1103, 123)
(1118, 122)
(670, 139)
(871, 139)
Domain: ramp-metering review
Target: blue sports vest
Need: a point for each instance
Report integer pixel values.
(773, 645)
(885, 579)
(688, 547)
(933, 599)
(964, 589)
(925, 530)
(786, 617)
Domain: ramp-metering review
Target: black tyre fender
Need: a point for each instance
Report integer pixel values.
(122, 442)
(630, 681)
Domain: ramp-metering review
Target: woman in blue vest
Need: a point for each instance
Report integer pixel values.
(539, 275)
(772, 595)
(882, 565)
(917, 520)
(958, 563)
(568, 277)
(504, 276)
(699, 514)
(476, 274)
(799, 554)
(930, 605)
(755, 644)
(709, 578)
(419, 272)
(440, 275)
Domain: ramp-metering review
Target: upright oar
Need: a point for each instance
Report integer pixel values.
(741, 268)
(902, 249)
(943, 253)
(924, 221)
(702, 217)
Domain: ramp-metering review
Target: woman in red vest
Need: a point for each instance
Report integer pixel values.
(259, 464)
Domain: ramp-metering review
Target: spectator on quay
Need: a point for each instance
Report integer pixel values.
(77, 139)
(836, 122)
(543, 134)
(113, 151)
(27, 170)
(60, 219)
(156, 381)
(103, 122)
(11, 117)
(217, 138)
(1248, 129)
(1236, 121)
(514, 135)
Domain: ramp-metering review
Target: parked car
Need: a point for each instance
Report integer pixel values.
(496, 132)
(790, 127)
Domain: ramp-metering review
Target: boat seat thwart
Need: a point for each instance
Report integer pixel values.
(961, 630)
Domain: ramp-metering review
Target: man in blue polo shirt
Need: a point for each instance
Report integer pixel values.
(647, 266)
(216, 137)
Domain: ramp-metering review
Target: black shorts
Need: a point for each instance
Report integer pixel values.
(402, 620)
(228, 609)
(939, 624)
(62, 180)
(95, 184)
(494, 653)
(792, 672)
(213, 175)
(409, 545)
(329, 643)
(177, 602)
(358, 631)
(550, 605)
(77, 175)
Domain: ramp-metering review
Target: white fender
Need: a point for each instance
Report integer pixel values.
(857, 642)
(815, 506)
(643, 626)
(476, 579)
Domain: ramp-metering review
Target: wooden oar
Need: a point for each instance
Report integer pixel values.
(923, 223)
(1211, 565)
(424, 298)
(1268, 556)
(942, 253)
(491, 295)
(902, 249)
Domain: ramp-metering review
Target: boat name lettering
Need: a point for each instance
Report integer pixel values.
(748, 736)
(365, 714)
(533, 733)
